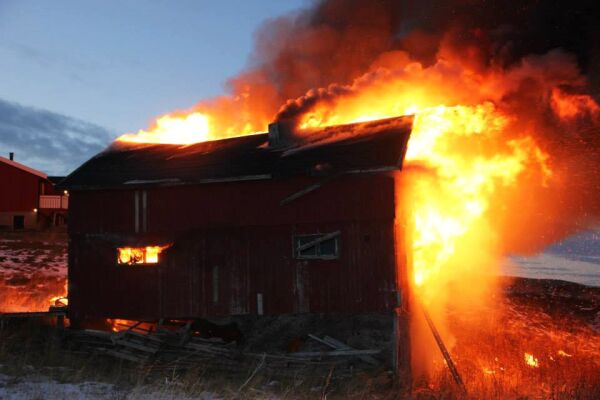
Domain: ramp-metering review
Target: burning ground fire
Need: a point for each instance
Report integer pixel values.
(33, 272)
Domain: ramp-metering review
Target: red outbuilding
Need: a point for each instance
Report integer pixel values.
(265, 224)
(29, 199)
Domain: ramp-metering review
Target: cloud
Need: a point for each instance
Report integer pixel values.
(50, 142)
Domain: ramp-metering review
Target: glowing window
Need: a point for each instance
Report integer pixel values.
(139, 255)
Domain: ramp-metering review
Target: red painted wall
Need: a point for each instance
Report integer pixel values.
(173, 210)
(241, 228)
(20, 189)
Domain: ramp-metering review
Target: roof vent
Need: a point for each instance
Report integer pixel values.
(11, 156)
(280, 134)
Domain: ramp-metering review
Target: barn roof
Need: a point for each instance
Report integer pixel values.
(354, 148)
(23, 167)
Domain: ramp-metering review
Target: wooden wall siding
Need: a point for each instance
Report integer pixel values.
(230, 246)
(173, 210)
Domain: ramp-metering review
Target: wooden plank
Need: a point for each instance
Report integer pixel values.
(343, 346)
(336, 344)
(308, 189)
(335, 353)
(137, 346)
(141, 335)
(318, 339)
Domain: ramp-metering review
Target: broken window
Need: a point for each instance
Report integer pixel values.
(321, 246)
(139, 255)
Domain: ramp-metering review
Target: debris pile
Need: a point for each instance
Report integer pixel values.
(160, 347)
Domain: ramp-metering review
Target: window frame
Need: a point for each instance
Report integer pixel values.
(318, 239)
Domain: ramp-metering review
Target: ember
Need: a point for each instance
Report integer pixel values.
(531, 360)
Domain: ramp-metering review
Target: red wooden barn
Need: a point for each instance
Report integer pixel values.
(253, 225)
(29, 199)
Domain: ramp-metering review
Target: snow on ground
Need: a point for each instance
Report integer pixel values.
(37, 387)
(575, 259)
(552, 266)
(40, 387)
(48, 257)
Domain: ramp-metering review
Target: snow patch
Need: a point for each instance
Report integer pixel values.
(40, 387)
(553, 266)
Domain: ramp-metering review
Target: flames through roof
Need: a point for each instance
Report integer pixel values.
(362, 147)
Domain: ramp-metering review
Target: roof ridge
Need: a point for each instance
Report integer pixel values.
(23, 167)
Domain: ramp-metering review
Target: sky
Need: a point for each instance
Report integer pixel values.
(76, 74)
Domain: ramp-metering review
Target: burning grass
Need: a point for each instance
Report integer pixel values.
(544, 344)
(33, 270)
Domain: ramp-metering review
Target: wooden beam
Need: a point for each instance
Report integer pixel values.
(334, 353)
(309, 189)
(337, 345)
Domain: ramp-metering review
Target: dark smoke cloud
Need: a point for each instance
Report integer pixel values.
(50, 142)
(319, 54)
(337, 41)
(292, 108)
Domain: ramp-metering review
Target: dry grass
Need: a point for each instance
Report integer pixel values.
(557, 325)
(31, 347)
(28, 347)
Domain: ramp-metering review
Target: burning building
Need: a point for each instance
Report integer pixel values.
(262, 224)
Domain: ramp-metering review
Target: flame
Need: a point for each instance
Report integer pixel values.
(182, 128)
(60, 300)
(119, 324)
(568, 106)
(466, 184)
(140, 255)
(531, 360)
(449, 140)
(173, 129)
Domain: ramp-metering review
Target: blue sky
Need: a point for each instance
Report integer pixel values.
(115, 65)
